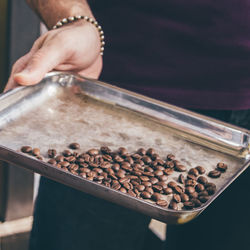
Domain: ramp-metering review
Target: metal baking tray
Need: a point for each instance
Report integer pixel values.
(65, 108)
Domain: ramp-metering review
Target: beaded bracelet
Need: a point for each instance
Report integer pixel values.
(88, 19)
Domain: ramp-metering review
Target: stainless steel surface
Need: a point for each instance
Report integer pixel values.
(64, 108)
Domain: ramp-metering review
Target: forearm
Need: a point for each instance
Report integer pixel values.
(51, 11)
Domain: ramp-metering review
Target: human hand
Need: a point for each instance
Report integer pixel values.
(74, 47)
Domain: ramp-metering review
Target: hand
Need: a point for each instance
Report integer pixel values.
(74, 47)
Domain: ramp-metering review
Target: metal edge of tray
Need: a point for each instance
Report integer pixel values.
(192, 126)
(163, 214)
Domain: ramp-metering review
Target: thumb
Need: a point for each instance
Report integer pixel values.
(42, 61)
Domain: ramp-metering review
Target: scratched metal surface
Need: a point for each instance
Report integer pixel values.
(54, 115)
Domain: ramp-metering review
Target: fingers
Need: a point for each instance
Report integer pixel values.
(17, 67)
(41, 62)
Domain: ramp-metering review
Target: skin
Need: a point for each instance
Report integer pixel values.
(73, 47)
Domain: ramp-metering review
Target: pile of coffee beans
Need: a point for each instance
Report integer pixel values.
(142, 174)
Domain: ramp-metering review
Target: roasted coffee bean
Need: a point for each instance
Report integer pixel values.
(188, 205)
(129, 160)
(163, 177)
(193, 195)
(126, 167)
(76, 154)
(136, 156)
(199, 188)
(146, 159)
(52, 161)
(153, 164)
(210, 184)
(120, 175)
(137, 192)
(52, 153)
(214, 174)
(133, 177)
(169, 164)
(113, 177)
(93, 152)
(181, 179)
(163, 184)
(158, 167)
(178, 189)
(73, 167)
(139, 161)
(184, 197)
(115, 182)
(150, 151)
(158, 172)
(135, 182)
(98, 170)
(145, 195)
(64, 163)
(92, 174)
(172, 184)
(170, 157)
(154, 180)
(127, 185)
(177, 198)
(149, 174)
(123, 190)
(116, 186)
(169, 171)
(157, 188)
(122, 151)
(144, 178)
(80, 160)
(147, 184)
(131, 193)
(141, 151)
(203, 199)
(149, 169)
(191, 177)
(39, 157)
(155, 157)
(99, 178)
(118, 159)
(93, 165)
(26, 149)
(136, 166)
(105, 150)
(190, 182)
(107, 184)
(173, 205)
(70, 159)
(203, 180)
(84, 175)
(200, 169)
(58, 165)
(84, 170)
(105, 165)
(107, 158)
(196, 202)
(140, 188)
(168, 190)
(180, 168)
(137, 173)
(162, 203)
(66, 170)
(203, 193)
(83, 165)
(106, 178)
(124, 179)
(211, 190)
(149, 190)
(189, 190)
(156, 196)
(74, 145)
(193, 171)
(67, 153)
(222, 167)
